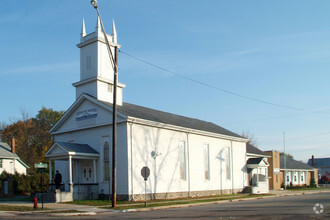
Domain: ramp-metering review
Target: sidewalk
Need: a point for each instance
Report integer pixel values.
(93, 210)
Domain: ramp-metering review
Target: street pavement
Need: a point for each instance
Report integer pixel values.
(92, 210)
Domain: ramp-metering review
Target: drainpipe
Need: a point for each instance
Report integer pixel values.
(189, 195)
(132, 171)
(232, 166)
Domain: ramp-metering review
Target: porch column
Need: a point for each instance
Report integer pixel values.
(76, 172)
(50, 171)
(70, 173)
(257, 176)
(94, 168)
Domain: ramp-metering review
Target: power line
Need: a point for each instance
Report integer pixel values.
(310, 136)
(269, 118)
(214, 87)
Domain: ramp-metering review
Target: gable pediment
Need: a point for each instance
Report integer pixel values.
(56, 150)
(86, 112)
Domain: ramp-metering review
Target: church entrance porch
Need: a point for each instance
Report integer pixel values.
(78, 165)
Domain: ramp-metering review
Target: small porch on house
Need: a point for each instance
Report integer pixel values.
(77, 164)
(257, 170)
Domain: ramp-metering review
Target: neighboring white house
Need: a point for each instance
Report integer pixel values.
(10, 161)
(296, 172)
(186, 156)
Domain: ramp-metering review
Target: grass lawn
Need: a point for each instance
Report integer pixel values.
(154, 203)
(65, 211)
(19, 208)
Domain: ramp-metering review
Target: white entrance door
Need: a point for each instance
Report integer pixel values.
(87, 174)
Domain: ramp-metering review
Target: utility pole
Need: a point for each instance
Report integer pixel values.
(114, 61)
(284, 161)
(114, 132)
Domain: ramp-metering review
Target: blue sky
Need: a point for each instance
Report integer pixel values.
(274, 51)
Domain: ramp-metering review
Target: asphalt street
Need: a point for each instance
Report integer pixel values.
(308, 206)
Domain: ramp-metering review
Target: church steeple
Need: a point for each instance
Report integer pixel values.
(96, 70)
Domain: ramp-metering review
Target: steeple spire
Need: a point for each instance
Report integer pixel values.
(83, 30)
(114, 32)
(98, 26)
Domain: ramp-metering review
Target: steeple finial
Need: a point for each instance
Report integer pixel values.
(83, 30)
(98, 26)
(114, 32)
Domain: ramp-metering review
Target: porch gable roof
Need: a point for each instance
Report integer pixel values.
(74, 149)
(256, 162)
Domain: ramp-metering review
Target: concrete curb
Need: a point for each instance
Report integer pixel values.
(73, 214)
(185, 205)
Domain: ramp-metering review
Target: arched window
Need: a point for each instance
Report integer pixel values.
(106, 160)
(182, 159)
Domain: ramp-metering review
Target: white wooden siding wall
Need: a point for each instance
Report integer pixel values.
(165, 169)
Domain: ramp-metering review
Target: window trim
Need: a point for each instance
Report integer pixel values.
(183, 160)
(228, 163)
(106, 161)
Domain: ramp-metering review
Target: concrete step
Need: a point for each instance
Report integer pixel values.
(247, 189)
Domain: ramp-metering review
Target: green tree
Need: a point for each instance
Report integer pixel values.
(32, 135)
(43, 122)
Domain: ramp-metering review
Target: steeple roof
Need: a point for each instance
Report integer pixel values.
(83, 30)
(114, 32)
(98, 26)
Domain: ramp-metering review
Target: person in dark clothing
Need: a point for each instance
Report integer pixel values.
(58, 179)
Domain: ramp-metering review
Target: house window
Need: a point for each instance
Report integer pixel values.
(288, 178)
(302, 177)
(206, 162)
(228, 168)
(0, 163)
(106, 161)
(182, 159)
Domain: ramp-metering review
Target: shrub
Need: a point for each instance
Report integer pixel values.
(313, 183)
(26, 183)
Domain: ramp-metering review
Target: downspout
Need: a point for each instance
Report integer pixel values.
(132, 171)
(232, 166)
(189, 195)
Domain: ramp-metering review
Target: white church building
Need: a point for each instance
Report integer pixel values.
(187, 157)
